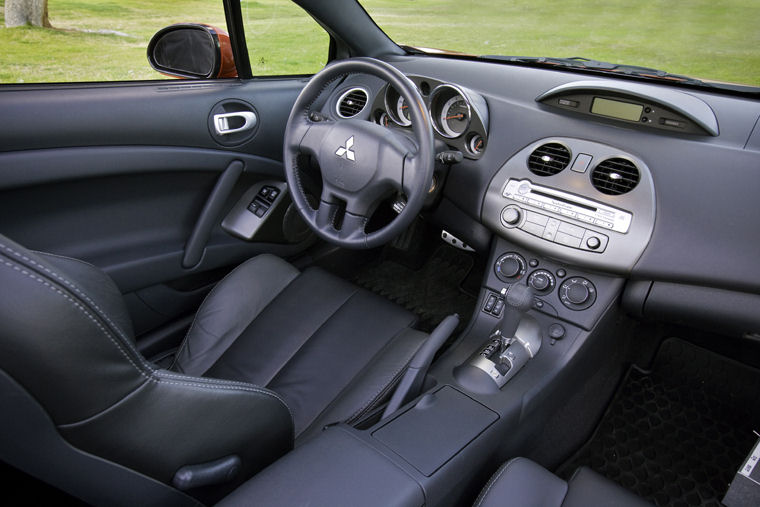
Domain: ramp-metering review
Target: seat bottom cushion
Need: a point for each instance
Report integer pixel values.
(329, 348)
(522, 482)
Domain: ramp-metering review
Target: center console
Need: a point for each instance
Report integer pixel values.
(537, 325)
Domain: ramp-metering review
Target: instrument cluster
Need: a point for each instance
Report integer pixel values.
(459, 115)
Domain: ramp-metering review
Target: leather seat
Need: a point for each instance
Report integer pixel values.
(273, 354)
(522, 482)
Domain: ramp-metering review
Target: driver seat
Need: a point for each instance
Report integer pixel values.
(272, 356)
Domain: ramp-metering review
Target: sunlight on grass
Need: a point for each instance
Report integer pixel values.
(715, 39)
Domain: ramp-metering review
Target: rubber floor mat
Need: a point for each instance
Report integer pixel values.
(677, 434)
(431, 292)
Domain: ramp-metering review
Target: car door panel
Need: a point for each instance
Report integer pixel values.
(123, 176)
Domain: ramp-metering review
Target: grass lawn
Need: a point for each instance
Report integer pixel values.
(711, 39)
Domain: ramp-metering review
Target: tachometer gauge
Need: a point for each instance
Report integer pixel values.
(383, 119)
(397, 108)
(402, 112)
(450, 110)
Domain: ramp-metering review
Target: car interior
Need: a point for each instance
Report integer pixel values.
(410, 279)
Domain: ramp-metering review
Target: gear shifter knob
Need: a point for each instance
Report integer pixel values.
(517, 301)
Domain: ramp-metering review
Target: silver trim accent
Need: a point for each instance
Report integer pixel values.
(343, 96)
(459, 91)
(222, 124)
(455, 242)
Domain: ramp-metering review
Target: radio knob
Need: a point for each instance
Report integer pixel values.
(593, 243)
(511, 215)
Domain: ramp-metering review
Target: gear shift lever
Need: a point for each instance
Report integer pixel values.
(516, 339)
(518, 299)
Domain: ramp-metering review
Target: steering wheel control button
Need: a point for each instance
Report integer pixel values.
(511, 216)
(542, 281)
(510, 267)
(556, 331)
(577, 293)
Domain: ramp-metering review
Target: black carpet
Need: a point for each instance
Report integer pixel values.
(677, 434)
(432, 291)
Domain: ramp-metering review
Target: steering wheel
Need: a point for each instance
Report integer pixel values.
(361, 162)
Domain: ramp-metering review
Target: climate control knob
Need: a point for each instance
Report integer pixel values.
(542, 281)
(510, 267)
(577, 293)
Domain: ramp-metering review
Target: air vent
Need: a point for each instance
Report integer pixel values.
(615, 176)
(352, 102)
(548, 159)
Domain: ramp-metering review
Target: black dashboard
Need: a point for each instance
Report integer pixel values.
(651, 183)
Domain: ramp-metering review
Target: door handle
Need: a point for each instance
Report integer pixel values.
(231, 123)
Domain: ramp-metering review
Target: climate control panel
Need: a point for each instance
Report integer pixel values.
(560, 291)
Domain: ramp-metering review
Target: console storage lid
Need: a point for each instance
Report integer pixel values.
(334, 468)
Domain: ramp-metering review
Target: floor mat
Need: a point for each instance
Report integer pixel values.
(431, 292)
(676, 435)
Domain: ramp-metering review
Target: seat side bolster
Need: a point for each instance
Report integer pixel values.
(229, 309)
(522, 482)
(176, 420)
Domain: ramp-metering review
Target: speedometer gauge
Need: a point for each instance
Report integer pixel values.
(402, 112)
(450, 110)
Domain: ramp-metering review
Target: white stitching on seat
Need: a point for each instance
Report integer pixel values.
(68, 283)
(492, 481)
(83, 310)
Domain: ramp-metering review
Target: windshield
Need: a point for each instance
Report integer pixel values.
(712, 40)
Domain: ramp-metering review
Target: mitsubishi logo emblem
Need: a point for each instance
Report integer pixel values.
(347, 151)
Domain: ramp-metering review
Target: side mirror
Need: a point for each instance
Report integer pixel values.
(193, 51)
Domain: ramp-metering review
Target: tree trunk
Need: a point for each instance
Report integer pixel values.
(26, 12)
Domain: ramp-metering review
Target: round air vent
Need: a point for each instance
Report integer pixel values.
(548, 159)
(615, 176)
(352, 102)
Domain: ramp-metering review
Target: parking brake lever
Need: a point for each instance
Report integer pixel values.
(412, 381)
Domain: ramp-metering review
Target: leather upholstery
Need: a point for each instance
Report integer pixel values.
(309, 337)
(66, 338)
(522, 482)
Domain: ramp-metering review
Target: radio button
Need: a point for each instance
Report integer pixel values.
(520, 198)
(585, 218)
(537, 204)
(568, 213)
(572, 230)
(532, 228)
(594, 242)
(567, 240)
(604, 223)
(552, 207)
(536, 218)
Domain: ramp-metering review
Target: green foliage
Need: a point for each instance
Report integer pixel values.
(711, 39)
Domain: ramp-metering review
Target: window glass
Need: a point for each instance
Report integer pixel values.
(94, 40)
(707, 39)
(282, 38)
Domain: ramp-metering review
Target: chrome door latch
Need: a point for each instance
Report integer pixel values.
(231, 123)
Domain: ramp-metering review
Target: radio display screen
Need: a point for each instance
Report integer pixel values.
(616, 109)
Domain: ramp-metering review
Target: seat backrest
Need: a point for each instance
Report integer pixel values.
(66, 338)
